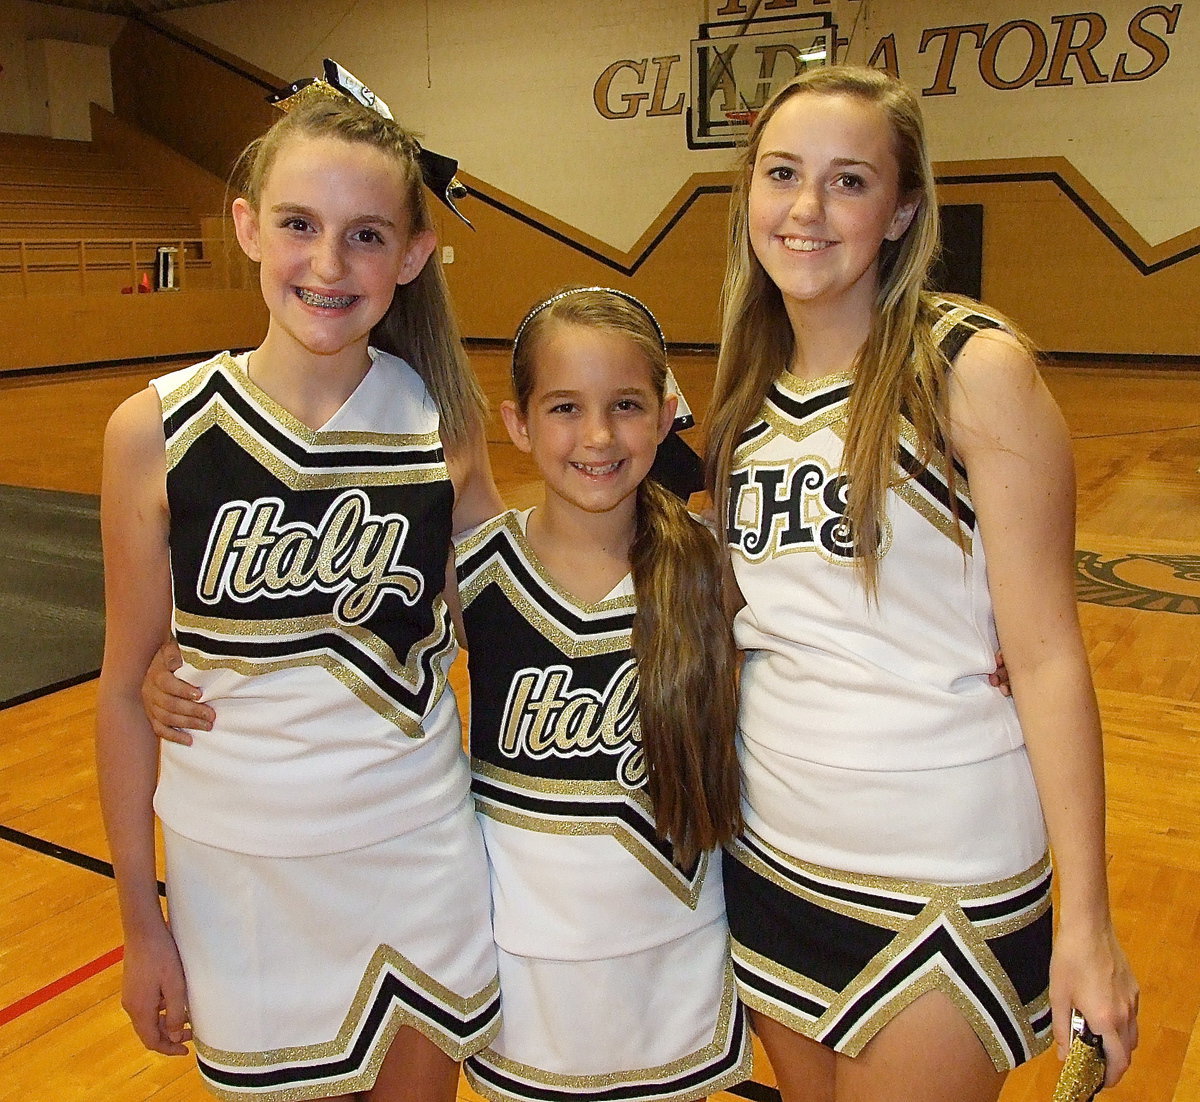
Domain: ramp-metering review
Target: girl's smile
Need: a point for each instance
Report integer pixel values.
(332, 236)
(598, 472)
(328, 302)
(594, 421)
(805, 244)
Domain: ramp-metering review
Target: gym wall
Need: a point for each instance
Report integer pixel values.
(595, 136)
(573, 120)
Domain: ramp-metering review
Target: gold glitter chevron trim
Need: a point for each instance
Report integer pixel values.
(385, 960)
(574, 821)
(440, 642)
(722, 1042)
(497, 572)
(942, 910)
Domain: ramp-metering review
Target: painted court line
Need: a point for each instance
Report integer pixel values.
(62, 853)
(58, 986)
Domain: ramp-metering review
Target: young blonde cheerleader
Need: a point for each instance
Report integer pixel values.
(602, 717)
(889, 902)
(288, 514)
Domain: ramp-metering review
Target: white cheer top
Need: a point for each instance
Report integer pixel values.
(308, 568)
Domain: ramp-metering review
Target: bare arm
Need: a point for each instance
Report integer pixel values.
(476, 498)
(137, 617)
(1014, 443)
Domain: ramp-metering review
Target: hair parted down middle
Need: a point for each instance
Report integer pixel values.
(899, 368)
(420, 325)
(682, 640)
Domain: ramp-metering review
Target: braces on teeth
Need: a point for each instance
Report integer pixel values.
(315, 299)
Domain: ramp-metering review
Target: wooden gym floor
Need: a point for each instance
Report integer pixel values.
(63, 1036)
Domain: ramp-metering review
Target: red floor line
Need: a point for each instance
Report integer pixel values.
(63, 983)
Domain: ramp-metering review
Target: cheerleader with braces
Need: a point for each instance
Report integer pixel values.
(601, 735)
(288, 515)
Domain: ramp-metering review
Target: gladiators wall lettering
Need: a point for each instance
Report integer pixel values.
(737, 63)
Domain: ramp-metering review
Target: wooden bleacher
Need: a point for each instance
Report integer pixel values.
(82, 222)
(80, 217)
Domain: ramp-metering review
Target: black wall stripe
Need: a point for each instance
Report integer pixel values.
(600, 258)
(164, 29)
(1085, 208)
(1077, 200)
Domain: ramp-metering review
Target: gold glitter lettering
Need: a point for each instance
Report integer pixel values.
(369, 566)
(246, 548)
(218, 552)
(620, 707)
(548, 717)
(577, 725)
(541, 735)
(253, 552)
(514, 714)
(285, 567)
(338, 538)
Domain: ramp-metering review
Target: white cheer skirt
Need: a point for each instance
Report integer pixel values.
(663, 1024)
(300, 970)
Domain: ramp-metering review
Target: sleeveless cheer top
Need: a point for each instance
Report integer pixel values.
(579, 871)
(308, 568)
(830, 676)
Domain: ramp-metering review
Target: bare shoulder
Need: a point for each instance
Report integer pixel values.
(135, 450)
(475, 496)
(136, 423)
(994, 387)
(994, 359)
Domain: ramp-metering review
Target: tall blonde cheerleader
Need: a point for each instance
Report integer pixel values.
(896, 490)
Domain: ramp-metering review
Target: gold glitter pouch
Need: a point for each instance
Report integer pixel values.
(1083, 1071)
